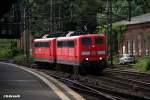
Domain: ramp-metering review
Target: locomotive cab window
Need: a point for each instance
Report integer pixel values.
(86, 41)
(98, 40)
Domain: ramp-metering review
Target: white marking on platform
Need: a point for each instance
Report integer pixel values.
(70, 91)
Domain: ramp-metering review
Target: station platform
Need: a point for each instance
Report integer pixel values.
(19, 84)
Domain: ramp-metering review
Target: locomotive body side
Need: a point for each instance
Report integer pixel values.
(44, 50)
(67, 50)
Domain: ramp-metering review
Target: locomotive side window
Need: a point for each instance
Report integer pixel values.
(44, 44)
(59, 44)
(98, 40)
(86, 41)
(64, 43)
(41, 44)
(36, 44)
(70, 43)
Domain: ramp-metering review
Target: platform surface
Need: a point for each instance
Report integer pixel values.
(17, 84)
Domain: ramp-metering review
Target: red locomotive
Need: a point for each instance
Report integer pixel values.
(44, 50)
(83, 51)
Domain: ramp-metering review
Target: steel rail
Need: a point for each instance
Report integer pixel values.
(81, 87)
(98, 91)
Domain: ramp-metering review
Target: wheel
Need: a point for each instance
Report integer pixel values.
(75, 72)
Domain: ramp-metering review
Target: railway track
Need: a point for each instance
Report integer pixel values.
(129, 80)
(97, 90)
(134, 78)
(120, 84)
(80, 87)
(145, 77)
(112, 85)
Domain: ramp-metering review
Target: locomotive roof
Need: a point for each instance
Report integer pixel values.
(74, 37)
(70, 37)
(44, 39)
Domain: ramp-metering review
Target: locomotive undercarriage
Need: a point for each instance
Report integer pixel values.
(46, 65)
(93, 67)
(84, 67)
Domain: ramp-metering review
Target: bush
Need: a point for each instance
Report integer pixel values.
(115, 60)
(11, 51)
(6, 54)
(143, 64)
(19, 58)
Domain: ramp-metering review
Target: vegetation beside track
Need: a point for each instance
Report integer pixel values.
(10, 50)
(143, 64)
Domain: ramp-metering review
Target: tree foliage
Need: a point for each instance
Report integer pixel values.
(117, 33)
(120, 10)
(74, 14)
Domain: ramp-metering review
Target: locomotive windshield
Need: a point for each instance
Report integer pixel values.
(98, 40)
(86, 41)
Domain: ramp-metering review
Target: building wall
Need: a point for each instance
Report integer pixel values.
(136, 40)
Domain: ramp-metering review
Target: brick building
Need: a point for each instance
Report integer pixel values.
(137, 37)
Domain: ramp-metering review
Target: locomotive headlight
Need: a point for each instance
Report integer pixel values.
(86, 59)
(101, 52)
(100, 58)
(85, 53)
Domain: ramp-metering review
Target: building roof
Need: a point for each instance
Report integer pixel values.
(136, 20)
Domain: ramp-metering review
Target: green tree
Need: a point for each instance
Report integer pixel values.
(74, 14)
